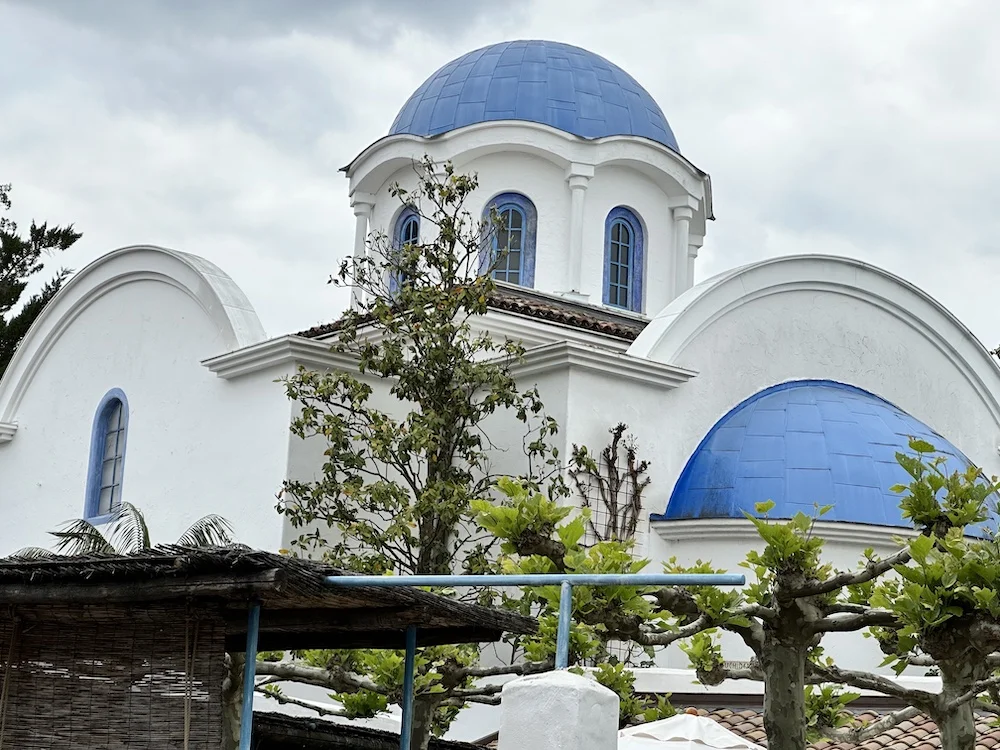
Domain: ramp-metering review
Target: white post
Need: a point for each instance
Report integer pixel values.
(578, 176)
(694, 244)
(682, 233)
(362, 204)
(558, 711)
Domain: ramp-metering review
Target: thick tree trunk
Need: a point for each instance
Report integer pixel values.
(958, 727)
(232, 701)
(784, 695)
(423, 715)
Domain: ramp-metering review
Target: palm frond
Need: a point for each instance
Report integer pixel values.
(33, 553)
(210, 531)
(129, 533)
(81, 537)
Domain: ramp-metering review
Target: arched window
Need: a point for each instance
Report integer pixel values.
(512, 247)
(107, 456)
(407, 233)
(623, 260)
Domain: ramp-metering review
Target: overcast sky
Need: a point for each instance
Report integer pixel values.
(856, 128)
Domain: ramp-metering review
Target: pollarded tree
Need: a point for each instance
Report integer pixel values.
(20, 260)
(794, 599)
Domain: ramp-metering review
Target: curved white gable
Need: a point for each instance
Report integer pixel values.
(221, 300)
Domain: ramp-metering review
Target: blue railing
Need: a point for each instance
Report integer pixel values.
(565, 581)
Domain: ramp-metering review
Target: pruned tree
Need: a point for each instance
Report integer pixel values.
(933, 602)
(398, 484)
(20, 260)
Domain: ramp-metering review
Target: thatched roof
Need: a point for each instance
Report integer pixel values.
(278, 732)
(299, 609)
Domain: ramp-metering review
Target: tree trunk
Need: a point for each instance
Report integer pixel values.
(423, 714)
(784, 695)
(232, 701)
(957, 727)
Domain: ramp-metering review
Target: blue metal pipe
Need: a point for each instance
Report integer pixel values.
(565, 621)
(546, 579)
(249, 676)
(409, 668)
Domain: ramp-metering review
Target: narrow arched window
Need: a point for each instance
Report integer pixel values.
(407, 233)
(512, 256)
(107, 456)
(623, 260)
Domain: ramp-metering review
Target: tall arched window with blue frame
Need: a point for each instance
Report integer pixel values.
(107, 457)
(512, 243)
(623, 260)
(407, 232)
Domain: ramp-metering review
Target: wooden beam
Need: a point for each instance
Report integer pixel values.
(333, 638)
(227, 587)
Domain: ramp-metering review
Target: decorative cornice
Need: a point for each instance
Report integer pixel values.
(740, 530)
(277, 352)
(7, 430)
(568, 355)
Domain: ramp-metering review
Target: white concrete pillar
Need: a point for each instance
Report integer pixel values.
(558, 711)
(578, 176)
(682, 237)
(362, 204)
(694, 244)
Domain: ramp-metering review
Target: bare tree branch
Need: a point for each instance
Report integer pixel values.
(855, 735)
(332, 679)
(868, 681)
(283, 700)
(872, 570)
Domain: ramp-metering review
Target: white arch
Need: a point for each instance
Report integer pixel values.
(676, 326)
(677, 176)
(223, 302)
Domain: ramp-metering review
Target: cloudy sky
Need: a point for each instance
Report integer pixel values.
(857, 128)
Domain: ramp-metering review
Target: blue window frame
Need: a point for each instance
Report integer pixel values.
(407, 232)
(512, 248)
(623, 260)
(107, 457)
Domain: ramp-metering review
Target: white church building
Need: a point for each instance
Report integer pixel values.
(150, 379)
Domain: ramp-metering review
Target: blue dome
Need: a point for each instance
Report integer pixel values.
(547, 82)
(804, 443)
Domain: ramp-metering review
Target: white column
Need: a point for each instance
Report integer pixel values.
(578, 176)
(362, 204)
(694, 244)
(558, 711)
(682, 234)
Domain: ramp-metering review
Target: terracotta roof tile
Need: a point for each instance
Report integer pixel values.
(920, 733)
(543, 307)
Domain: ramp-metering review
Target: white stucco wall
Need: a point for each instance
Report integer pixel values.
(537, 161)
(141, 320)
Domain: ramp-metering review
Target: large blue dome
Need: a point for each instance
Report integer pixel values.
(547, 82)
(806, 442)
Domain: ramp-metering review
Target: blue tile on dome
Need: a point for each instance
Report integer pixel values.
(422, 115)
(461, 73)
(809, 486)
(617, 118)
(590, 106)
(502, 95)
(803, 418)
(753, 490)
(534, 72)
(764, 422)
(468, 113)
(452, 89)
(772, 469)
(806, 450)
(854, 470)
(475, 89)
(512, 56)
(860, 504)
(851, 464)
(444, 112)
(762, 448)
(586, 82)
(530, 98)
(726, 439)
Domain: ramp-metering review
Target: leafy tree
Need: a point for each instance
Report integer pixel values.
(20, 260)
(398, 484)
(127, 534)
(932, 603)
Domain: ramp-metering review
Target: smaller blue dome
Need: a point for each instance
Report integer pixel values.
(554, 84)
(804, 443)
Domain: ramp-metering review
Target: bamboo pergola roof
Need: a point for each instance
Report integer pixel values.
(299, 609)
